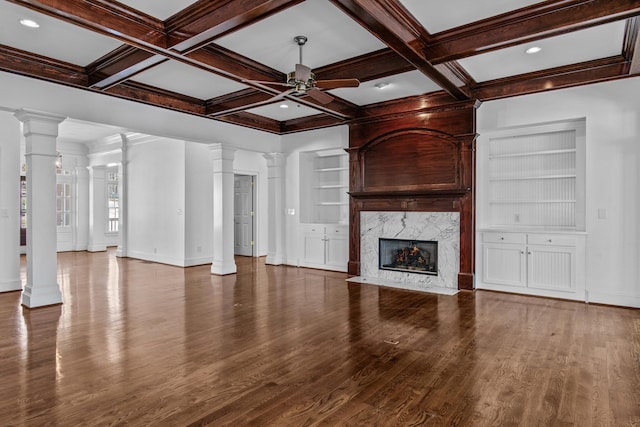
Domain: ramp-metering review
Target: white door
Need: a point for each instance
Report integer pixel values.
(244, 214)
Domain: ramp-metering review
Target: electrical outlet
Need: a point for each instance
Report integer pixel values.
(516, 217)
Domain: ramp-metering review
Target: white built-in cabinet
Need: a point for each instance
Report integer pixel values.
(325, 246)
(324, 209)
(531, 210)
(545, 264)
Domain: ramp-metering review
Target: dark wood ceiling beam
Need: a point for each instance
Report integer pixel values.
(205, 21)
(253, 121)
(211, 17)
(238, 65)
(302, 124)
(33, 65)
(120, 65)
(386, 20)
(157, 97)
(234, 100)
(631, 48)
(556, 78)
(370, 66)
(531, 23)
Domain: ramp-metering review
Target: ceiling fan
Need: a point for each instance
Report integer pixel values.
(302, 81)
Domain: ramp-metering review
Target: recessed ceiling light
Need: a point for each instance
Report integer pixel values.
(29, 23)
(533, 49)
(284, 106)
(381, 85)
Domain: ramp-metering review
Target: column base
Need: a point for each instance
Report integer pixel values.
(97, 248)
(10, 286)
(274, 259)
(121, 253)
(221, 268)
(41, 296)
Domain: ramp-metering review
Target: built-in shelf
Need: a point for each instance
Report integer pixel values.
(532, 153)
(532, 177)
(535, 201)
(331, 169)
(323, 187)
(332, 203)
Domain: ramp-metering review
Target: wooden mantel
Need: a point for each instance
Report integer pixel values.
(421, 162)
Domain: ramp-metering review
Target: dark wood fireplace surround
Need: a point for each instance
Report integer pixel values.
(417, 161)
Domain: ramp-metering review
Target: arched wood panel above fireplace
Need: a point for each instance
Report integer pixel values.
(435, 161)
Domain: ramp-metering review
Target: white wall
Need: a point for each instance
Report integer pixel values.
(292, 146)
(612, 112)
(9, 202)
(156, 208)
(198, 191)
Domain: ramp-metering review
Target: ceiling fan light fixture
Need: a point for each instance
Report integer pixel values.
(381, 85)
(284, 106)
(533, 49)
(30, 23)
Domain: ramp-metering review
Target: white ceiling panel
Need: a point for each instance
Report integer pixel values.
(181, 78)
(158, 9)
(438, 15)
(333, 37)
(585, 45)
(292, 111)
(397, 86)
(54, 38)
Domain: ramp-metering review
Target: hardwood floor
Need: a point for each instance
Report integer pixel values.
(138, 343)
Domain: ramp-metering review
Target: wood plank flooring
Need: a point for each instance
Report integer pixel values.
(138, 343)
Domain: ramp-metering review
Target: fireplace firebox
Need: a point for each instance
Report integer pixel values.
(411, 256)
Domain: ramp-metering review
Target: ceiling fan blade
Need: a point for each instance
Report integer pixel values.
(265, 83)
(303, 73)
(252, 105)
(318, 95)
(337, 83)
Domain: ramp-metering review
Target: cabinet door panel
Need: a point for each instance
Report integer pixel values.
(504, 264)
(314, 250)
(337, 251)
(551, 267)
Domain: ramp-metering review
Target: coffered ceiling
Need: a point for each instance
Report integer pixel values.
(228, 59)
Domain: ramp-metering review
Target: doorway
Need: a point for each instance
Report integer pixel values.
(244, 215)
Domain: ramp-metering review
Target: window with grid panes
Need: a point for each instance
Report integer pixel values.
(113, 201)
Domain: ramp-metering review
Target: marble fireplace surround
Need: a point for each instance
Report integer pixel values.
(444, 227)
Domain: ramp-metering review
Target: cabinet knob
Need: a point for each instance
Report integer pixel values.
(549, 240)
(522, 252)
(502, 238)
(529, 253)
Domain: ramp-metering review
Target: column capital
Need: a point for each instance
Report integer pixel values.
(220, 152)
(39, 122)
(275, 159)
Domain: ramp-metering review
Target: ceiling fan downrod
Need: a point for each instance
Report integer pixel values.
(301, 40)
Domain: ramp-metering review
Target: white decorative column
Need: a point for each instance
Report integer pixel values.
(41, 131)
(223, 207)
(123, 191)
(276, 173)
(97, 208)
(9, 203)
